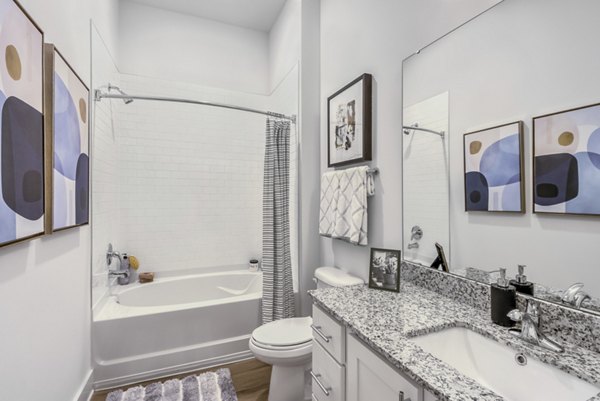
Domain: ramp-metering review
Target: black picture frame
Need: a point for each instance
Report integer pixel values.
(346, 133)
(522, 202)
(535, 166)
(384, 272)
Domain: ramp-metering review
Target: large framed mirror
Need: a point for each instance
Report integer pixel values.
(517, 61)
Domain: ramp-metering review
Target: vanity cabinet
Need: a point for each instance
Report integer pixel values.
(370, 378)
(345, 369)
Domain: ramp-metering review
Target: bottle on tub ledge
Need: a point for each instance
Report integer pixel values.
(253, 265)
(520, 282)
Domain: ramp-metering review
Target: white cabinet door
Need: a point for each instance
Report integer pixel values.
(427, 396)
(369, 378)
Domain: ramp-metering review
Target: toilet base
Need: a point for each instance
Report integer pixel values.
(288, 383)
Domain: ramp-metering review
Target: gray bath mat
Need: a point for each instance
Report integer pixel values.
(209, 386)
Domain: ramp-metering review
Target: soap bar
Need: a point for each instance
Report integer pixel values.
(147, 277)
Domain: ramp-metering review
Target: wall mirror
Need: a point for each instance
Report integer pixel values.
(496, 198)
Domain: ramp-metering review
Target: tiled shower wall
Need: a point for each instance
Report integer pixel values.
(104, 162)
(191, 177)
(426, 178)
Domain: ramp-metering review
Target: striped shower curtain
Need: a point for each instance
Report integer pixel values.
(278, 290)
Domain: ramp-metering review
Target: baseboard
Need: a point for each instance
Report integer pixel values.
(87, 388)
(157, 374)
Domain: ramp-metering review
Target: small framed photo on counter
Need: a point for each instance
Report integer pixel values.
(384, 270)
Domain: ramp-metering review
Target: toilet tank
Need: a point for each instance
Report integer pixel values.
(328, 276)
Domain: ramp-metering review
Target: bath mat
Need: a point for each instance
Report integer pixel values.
(209, 386)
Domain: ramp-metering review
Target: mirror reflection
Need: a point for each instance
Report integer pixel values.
(521, 188)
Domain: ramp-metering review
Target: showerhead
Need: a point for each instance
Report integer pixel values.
(116, 88)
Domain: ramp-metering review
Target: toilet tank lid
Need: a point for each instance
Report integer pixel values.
(335, 277)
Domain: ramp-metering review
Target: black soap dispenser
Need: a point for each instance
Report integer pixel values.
(503, 301)
(520, 282)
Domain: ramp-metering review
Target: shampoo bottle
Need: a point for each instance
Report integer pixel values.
(520, 282)
(503, 301)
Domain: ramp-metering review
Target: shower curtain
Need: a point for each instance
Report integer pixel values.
(278, 290)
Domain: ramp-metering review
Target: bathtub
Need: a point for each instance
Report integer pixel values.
(175, 324)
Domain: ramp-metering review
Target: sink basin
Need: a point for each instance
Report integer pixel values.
(495, 366)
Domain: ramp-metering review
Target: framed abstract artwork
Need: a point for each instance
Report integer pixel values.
(67, 143)
(493, 160)
(566, 162)
(349, 114)
(22, 172)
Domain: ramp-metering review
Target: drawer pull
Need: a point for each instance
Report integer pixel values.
(317, 330)
(326, 390)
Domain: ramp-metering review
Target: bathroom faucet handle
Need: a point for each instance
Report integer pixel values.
(571, 293)
(516, 315)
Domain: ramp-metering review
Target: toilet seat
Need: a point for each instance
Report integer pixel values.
(284, 334)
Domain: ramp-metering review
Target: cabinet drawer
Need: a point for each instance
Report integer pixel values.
(330, 334)
(329, 377)
(314, 397)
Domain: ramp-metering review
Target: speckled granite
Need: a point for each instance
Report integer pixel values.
(387, 321)
(559, 321)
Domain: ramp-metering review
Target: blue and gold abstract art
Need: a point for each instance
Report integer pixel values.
(494, 169)
(21, 126)
(566, 178)
(70, 176)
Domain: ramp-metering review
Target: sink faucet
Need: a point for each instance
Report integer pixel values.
(124, 270)
(530, 327)
(575, 296)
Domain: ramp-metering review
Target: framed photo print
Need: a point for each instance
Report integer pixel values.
(566, 162)
(67, 142)
(384, 270)
(493, 160)
(349, 114)
(22, 175)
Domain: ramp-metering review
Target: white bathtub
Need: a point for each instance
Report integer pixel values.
(175, 324)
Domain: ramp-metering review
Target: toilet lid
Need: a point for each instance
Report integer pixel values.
(284, 332)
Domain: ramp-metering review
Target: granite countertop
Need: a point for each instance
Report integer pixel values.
(387, 321)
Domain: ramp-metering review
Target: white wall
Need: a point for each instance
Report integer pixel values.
(45, 283)
(284, 42)
(519, 66)
(169, 45)
(375, 36)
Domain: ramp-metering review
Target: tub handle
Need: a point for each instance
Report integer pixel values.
(317, 330)
(316, 377)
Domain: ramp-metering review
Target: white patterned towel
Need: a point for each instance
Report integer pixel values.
(209, 386)
(344, 211)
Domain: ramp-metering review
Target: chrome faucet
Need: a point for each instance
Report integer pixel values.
(575, 296)
(124, 271)
(530, 327)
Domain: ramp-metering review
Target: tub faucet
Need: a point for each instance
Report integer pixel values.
(530, 327)
(124, 271)
(575, 296)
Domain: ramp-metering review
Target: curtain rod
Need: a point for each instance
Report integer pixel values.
(99, 95)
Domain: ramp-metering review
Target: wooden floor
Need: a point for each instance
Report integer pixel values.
(250, 378)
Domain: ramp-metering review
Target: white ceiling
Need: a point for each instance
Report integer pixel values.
(253, 14)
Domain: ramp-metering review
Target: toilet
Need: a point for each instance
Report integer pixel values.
(286, 344)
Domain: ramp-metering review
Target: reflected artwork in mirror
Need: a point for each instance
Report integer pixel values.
(503, 66)
(566, 168)
(494, 169)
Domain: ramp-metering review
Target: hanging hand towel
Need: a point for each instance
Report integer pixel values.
(351, 214)
(330, 187)
(343, 213)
